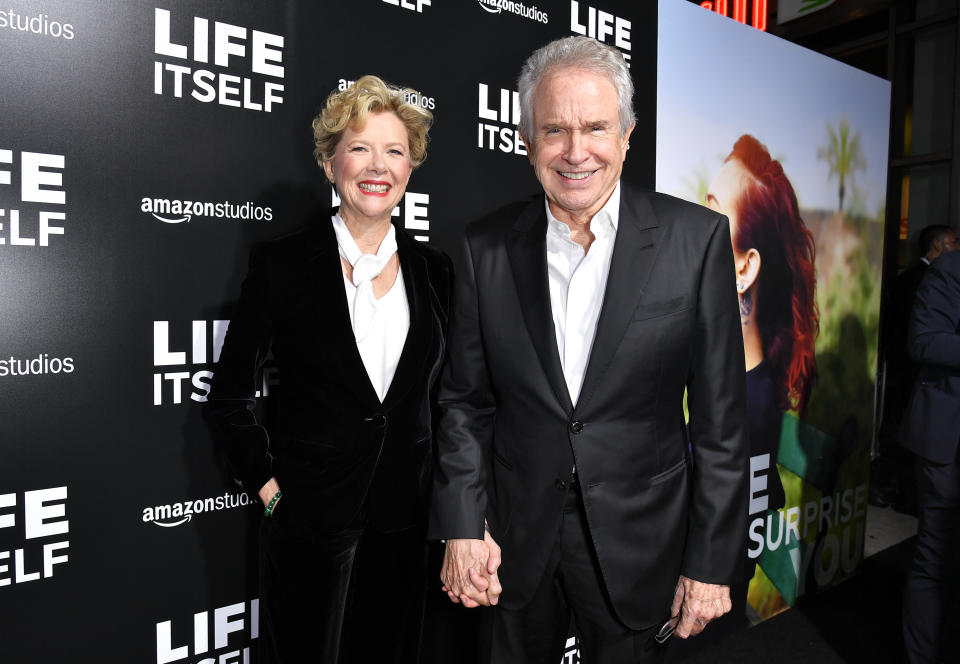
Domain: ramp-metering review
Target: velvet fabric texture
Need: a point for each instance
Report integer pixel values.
(346, 463)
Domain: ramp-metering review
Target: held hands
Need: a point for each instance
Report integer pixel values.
(469, 572)
(696, 604)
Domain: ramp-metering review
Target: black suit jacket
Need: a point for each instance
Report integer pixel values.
(509, 434)
(931, 426)
(334, 445)
(901, 369)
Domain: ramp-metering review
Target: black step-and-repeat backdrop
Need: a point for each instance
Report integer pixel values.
(143, 148)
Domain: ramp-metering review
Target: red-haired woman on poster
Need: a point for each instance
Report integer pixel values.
(774, 256)
(776, 283)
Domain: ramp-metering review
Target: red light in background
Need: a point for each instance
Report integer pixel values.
(740, 12)
(760, 14)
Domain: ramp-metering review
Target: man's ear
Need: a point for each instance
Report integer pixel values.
(748, 268)
(625, 140)
(528, 145)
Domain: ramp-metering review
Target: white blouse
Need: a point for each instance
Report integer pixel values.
(382, 344)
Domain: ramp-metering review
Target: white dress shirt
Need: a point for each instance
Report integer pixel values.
(578, 280)
(381, 346)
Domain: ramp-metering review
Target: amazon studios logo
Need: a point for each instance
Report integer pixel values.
(178, 211)
(38, 214)
(42, 364)
(41, 24)
(235, 626)
(510, 6)
(175, 514)
(246, 70)
(412, 97)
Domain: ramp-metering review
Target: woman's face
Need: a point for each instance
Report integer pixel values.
(724, 197)
(724, 192)
(371, 168)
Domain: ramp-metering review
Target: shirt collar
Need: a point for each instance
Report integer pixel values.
(603, 223)
(348, 246)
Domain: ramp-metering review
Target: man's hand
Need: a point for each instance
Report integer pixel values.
(697, 604)
(469, 572)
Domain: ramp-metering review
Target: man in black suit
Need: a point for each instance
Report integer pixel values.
(891, 481)
(580, 318)
(932, 241)
(931, 430)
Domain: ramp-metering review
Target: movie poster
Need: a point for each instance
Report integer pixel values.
(792, 147)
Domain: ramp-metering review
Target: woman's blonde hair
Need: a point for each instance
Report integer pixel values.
(370, 94)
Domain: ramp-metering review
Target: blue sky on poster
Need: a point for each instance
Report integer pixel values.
(718, 79)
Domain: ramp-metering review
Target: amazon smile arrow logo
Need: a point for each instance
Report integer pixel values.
(182, 219)
(179, 211)
(175, 523)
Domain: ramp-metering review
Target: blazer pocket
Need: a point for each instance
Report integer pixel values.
(669, 472)
(503, 462)
(659, 308)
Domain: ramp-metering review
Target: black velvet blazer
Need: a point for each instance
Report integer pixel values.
(334, 445)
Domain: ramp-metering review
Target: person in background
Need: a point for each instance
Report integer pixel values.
(891, 477)
(930, 430)
(354, 311)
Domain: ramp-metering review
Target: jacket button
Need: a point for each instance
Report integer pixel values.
(576, 426)
(560, 484)
(379, 419)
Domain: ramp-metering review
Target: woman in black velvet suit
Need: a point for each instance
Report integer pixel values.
(354, 311)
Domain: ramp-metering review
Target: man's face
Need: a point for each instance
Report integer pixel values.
(949, 243)
(577, 151)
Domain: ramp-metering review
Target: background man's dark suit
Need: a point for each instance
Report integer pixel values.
(891, 479)
(931, 430)
(510, 434)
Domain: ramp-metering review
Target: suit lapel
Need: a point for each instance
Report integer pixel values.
(331, 315)
(527, 250)
(634, 251)
(416, 280)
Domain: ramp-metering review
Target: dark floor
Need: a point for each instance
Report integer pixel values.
(857, 621)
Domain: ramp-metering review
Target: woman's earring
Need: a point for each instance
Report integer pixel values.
(740, 286)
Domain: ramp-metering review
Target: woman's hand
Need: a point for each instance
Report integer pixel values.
(268, 491)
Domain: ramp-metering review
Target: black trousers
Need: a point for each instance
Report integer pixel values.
(352, 596)
(571, 585)
(936, 553)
